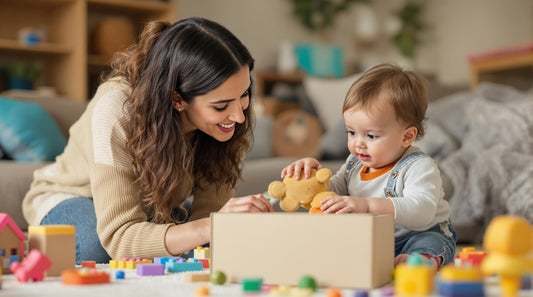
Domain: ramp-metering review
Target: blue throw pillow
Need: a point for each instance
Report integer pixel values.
(27, 132)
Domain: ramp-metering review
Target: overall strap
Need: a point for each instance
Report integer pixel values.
(391, 181)
(352, 162)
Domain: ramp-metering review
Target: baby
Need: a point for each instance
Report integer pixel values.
(384, 112)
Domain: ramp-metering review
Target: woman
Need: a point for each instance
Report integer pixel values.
(172, 119)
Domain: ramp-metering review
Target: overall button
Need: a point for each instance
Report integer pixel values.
(394, 174)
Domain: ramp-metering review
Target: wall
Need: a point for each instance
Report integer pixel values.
(457, 28)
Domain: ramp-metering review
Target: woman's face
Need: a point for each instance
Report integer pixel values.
(217, 112)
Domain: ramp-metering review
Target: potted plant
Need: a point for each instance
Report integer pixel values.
(22, 75)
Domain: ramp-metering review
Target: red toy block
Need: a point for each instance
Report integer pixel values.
(470, 255)
(33, 267)
(205, 263)
(88, 264)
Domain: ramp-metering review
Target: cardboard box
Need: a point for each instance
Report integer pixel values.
(348, 251)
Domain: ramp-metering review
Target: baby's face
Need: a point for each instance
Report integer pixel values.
(376, 137)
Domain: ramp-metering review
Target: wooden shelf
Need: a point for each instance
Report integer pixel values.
(99, 61)
(68, 67)
(41, 48)
(130, 5)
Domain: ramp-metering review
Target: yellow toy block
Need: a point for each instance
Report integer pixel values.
(202, 253)
(127, 263)
(413, 280)
(451, 273)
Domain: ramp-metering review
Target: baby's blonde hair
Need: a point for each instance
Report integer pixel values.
(403, 89)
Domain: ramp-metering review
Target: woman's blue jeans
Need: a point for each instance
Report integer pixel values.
(79, 212)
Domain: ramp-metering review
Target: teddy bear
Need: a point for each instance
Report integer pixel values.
(307, 192)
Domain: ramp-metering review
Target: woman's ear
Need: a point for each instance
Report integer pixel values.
(409, 136)
(177, 102)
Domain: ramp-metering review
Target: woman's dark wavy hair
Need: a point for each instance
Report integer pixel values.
(192, 57)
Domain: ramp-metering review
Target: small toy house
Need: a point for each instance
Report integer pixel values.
(11, 242)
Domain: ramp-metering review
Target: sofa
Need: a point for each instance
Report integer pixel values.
(16, 176)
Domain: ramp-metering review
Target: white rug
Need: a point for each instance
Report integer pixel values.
(171, 284)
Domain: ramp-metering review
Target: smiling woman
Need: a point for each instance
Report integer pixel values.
(171, 120)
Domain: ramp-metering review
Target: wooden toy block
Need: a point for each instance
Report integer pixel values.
(128, 263)
(33, 267)
(88, 264)
(192, 277)
(295, 240)
(84, 277)
(412, 280)
(11, 242)
(202, 252)
(57, 242)
(150, 269)
(173, 266)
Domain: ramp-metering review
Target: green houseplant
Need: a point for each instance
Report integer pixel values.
(22, 75)
(317, 15)
(408, 37)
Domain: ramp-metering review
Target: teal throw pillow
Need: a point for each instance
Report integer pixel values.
(28, 133)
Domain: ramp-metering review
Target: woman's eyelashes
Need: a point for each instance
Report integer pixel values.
(219, 109)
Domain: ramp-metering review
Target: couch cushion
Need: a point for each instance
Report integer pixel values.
(28, 132)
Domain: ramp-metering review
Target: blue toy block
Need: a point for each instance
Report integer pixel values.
(119, 274)
(461, 289)
(164, 260)
(173, 266)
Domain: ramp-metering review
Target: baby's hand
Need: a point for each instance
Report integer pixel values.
(296, 167)
(344, 204)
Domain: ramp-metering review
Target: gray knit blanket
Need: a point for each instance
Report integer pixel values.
(483, 142)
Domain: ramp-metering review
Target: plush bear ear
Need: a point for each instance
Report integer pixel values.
(323, 175)
(277, 189)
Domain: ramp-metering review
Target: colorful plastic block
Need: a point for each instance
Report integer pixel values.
(128, 263)
(88, 264)
(33, 267)
(469, 255)
(252, 284)
(82, 277)
(164, 260)
(460, 281)
(202, 252)
(414, 278)
(150, 269)
(192, 277)
(218, 277)
(205, 263)
(173, 266)
(361, 294)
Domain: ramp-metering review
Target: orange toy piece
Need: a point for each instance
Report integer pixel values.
(307, 192)
(508, 240)
(471, 256)
(84, 277)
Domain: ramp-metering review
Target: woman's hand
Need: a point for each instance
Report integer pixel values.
(296, 168)
(252, 203)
